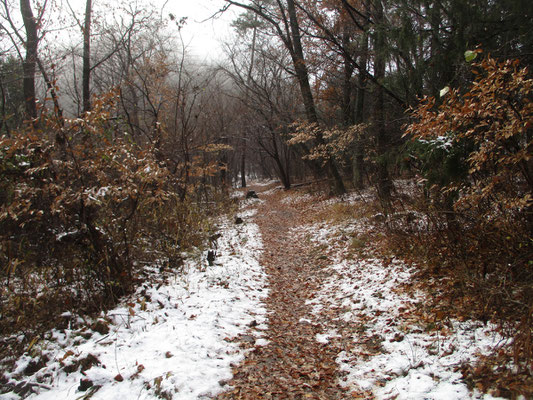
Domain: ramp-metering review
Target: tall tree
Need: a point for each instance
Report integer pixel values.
(384, 183)
(30, 61)
(248, 81)
(264, 88)
(300, 66)
(11, 95)
(284, 20)
(86, 79)
(359, 118)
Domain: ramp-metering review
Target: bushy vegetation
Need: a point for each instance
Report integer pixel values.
(82, 210)
(474, 155)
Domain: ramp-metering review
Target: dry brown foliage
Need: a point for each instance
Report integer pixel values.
(483, 243)
(82, 210)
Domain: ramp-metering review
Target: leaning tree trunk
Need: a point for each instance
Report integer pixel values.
(28, 66)
(300, 68)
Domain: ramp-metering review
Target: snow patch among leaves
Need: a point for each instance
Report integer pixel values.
(174, 340)
(397, 350)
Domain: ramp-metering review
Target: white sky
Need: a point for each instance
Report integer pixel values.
(203, 38)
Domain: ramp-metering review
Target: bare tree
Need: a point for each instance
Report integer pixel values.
(86, 79)
(33, 26)
(266, 91)
(283, 18)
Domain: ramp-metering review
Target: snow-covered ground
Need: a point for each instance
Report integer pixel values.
(179, 339)
(175, 340)
(395, 351)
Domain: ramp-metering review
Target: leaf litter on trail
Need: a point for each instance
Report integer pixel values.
(292, 364)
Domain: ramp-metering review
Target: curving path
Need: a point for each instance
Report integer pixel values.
(293, 365)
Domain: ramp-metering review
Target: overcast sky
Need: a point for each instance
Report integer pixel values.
(202, 34)
(203, 38)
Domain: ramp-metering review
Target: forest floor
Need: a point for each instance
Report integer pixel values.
(299, 304)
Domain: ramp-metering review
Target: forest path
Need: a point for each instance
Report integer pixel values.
(293, 365)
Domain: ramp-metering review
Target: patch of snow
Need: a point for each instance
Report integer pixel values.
(235, 194)
(297, 198)
(393, 354)
(248, 213)
(325, 337)
(440, 142)
(262, 183)
(272, 191)
(352, 197)
(175, 340)
(62, 235)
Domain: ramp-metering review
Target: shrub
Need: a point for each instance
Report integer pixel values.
(82, 207)
(486, 132)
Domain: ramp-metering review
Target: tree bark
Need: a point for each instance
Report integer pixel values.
(30, 61)
(243, 167)
(361, 81)
(435, 84)
(348, 68)
(248, 80)
(384, 183)
(283, 171)
(86, 79)
(359, 113)
(300, 66)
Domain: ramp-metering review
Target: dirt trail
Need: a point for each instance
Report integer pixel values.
(293, 365)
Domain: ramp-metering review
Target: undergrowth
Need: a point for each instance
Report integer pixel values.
(479, 271)
(469, 270)
(83, 210)
(472, 150)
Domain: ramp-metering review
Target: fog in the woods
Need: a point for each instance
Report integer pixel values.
(394, 137)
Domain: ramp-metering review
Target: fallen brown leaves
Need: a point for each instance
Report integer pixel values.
(293, 364)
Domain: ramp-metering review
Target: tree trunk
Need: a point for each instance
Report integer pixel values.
(86, 79)
(300, 68)
(361, 81)
(384, 183)
(243, 165)
(248, 80)
(55, 98)
(284, 174)
(28, 66)
(435, 82)
(359, 113)
(3, 120)
(348, 68)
